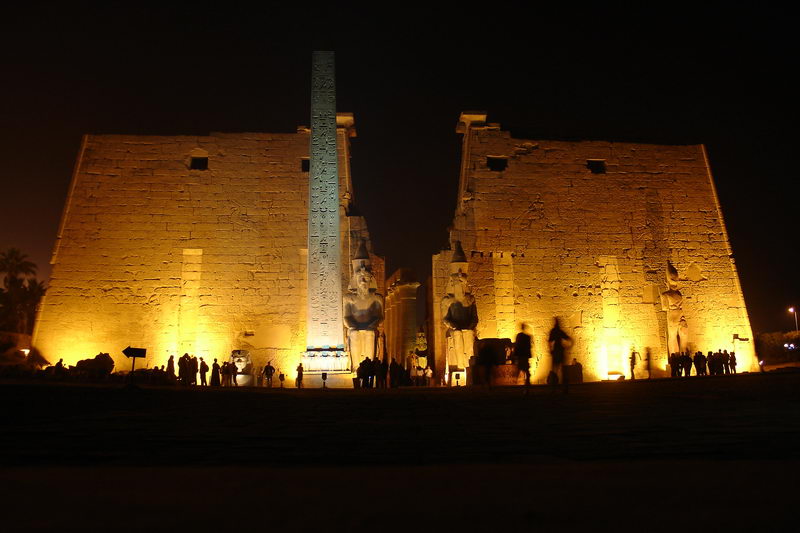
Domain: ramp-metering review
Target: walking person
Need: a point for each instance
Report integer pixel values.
(299, 381)
(634, 355)
(558, 342)
(523, 350)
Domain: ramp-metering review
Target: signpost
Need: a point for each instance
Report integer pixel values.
(133, 353)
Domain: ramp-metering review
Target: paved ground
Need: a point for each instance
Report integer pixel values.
(693, 454)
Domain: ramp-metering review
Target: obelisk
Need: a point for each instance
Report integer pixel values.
(325, 337)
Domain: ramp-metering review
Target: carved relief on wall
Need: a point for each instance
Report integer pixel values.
(324, 248)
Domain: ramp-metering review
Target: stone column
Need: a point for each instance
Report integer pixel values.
(325, 337)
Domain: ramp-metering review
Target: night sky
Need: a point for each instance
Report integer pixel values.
(677, 76)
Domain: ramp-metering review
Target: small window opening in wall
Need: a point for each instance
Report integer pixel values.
(496, 164)
(198, 163)
(305, 164)
(597, 166)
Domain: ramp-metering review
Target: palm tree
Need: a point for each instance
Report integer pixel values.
(31, 295)
(15, 264)
(21, 294)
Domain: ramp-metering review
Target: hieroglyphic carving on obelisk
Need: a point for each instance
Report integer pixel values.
(325, 340)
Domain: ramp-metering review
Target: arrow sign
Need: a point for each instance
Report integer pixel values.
(134, 352)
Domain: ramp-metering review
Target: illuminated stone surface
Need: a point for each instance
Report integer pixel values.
(459, 313)
(401, 315)
(153, 254)
(362, 309)
(548, 237)
(324, 250)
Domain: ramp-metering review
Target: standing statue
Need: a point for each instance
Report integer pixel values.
(421, 348)
(459, 312)
(363, 308)
(672, 303)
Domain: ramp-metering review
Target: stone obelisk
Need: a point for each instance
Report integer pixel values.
(325, 337)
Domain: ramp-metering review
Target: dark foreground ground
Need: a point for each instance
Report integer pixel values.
(714, 454)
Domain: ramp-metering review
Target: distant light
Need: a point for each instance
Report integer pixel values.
(786, 345)
(791, 309)
(26, 351)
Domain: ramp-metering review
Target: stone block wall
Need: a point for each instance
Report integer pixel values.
(547, 237)
(153, 254)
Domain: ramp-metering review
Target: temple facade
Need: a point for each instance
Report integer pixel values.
(187, 244)
(624, 243)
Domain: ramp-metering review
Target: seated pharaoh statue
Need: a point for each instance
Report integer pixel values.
(244, 367)
(459, 312)
(363, 308)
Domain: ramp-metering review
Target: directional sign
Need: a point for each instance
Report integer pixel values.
(134, 352)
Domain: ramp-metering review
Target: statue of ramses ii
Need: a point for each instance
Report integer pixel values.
(459, 312)
(363, 308)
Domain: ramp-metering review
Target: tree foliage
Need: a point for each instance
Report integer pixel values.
(772, 347)
(21, 292)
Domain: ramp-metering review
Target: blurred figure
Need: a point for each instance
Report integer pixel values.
(686, 359)
(193, 368)
(523, 350)
(299, 381)
(171, 366)
(647, 358)
(634, 356)
(559, 342)
(733, 362)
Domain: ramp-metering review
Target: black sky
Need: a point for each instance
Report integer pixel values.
(667, 75)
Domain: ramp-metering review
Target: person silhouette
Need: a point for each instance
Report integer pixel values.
(215, 374)
(634, 355)
(559, 341)
(299, 381)
(269, 371)
(203, 371)
(523, 350)
(171, 366)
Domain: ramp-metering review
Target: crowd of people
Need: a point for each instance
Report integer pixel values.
(714, 364)
(381, 374)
